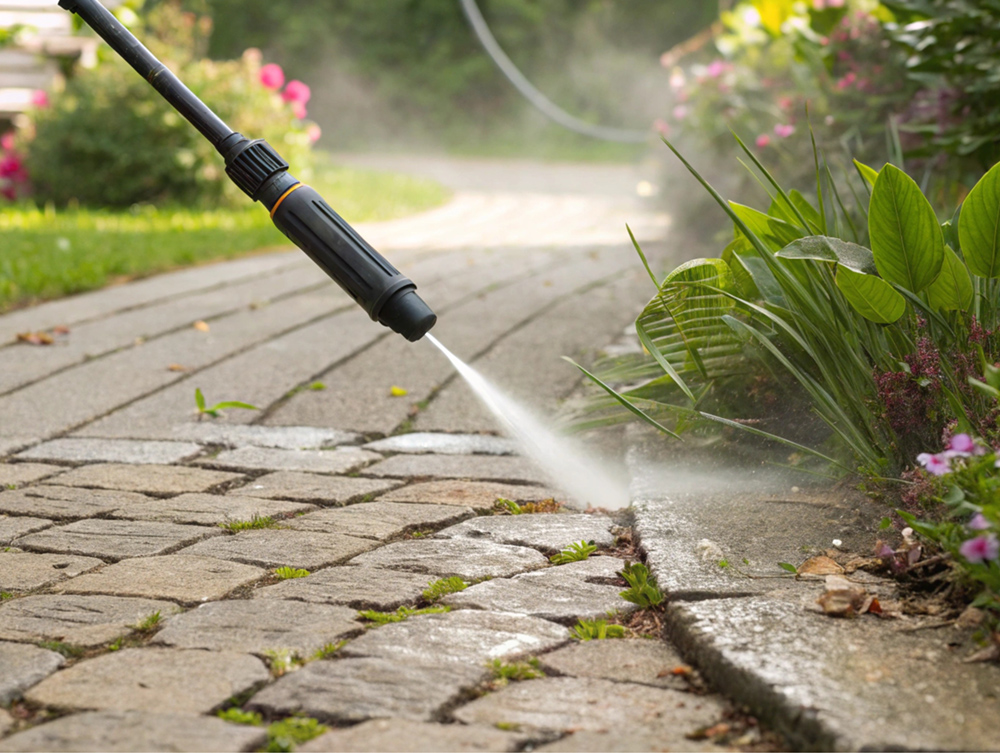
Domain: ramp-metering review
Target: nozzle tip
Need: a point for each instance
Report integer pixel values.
(407, 314)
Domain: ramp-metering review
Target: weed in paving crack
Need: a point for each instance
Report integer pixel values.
(596, 630)
(256, 522)
(149, 624)
(283, 736)
(281, 661)
(329, 651)
(116, 644)
(509, 507)
(643, 590)
(403, 613)
(505, 672)
(67, 650)
(6, 595)
(443, 587)
(288, 573)
(216, 410)
(239, 716)
(574, 553)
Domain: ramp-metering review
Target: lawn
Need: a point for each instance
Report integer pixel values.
(47, 253)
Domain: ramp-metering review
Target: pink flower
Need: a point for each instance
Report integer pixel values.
(11, 167)
(961, 443)
(296, 91)
(9, 193)
(680, 112)
(783, 131)
(662, 127)
(763, 140)
(935, 464)
(980, 549)
(7, 141)
(314, 132)
(272, 77)
(299, 110)
(716, 68)
(847, 81)
(978, 522)
(40, 99)
(785, 103)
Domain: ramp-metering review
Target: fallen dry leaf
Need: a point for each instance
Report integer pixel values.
(61, 330)
(844, 599)
(678, 671)
(201, 326)
(35, 338)
(707, 733)
(176, 367)
(820, 565)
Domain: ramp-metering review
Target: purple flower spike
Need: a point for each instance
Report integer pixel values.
(962, 443)
(936, 464)
(980, 549)
(978, 522)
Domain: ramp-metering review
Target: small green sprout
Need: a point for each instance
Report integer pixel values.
(504, 672)
(67, 650)
(596, 630)
(255, 523)
(149, 624)
(239, 716)
(116, 645)
(288, 573)
(216, 410)
(789, 567)
(508, 726)
(283, 736)
(574, 553)
(508, 506)
(10, 487)
(443, 587)
(317, 386)
(328, 651)
(403, 613)
(6, 595)
(642, 589)
(282, 661)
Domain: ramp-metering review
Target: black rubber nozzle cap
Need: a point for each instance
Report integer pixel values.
(407, 314)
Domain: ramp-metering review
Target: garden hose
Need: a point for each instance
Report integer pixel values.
(296, 209)
(549, 108)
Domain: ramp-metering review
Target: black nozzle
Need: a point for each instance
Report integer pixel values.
(407, 314)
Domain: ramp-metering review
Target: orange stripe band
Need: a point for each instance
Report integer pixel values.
(285, 195)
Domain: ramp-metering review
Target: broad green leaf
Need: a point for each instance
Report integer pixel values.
(234, 404)
(952, 290)
(871, 296)
(199, 399)
(823, 248)
(979, 226)
(905, 235)
(869, 174)
(807, 210)
(781, 232)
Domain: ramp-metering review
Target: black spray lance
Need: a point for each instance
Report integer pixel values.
(297, 210)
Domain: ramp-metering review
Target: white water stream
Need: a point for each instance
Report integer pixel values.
(572, 468)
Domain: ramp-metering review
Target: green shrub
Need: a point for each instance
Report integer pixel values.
(109, 139)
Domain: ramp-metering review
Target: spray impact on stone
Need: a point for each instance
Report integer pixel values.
(570, 466)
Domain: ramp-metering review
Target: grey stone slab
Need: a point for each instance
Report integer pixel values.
(152, 479)
(465, 636)
(406, 736)
(83, 450)
(283, 547)
(178, 577)
(564, 704)
(356, 587)
(841, 684)
(13, 475)
(24, 666)
(128, 731)
(642, 661)
(210, 509)
(245, 626)
(12, 443)
(481, 467)
(115, 539)
(24, 571)
(78, 620)
(340, 460)
(379, 520)
(424, 443)
(309, 487)
(67, 502)
(154, 680)
(353, 690)
(468, 559)
(635, 740)
(6, 723)
(551, 533)
(479, 495)
(11, 528)
(278, 437)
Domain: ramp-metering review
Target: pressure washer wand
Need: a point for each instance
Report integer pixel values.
(298, 210)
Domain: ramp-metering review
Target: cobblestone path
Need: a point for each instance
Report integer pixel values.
(157, 569)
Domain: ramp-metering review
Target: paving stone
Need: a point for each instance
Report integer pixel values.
(356, 587)
(24, 666)
(24, 571)
(841, 684)
(153, 479)
(67, 502)
(341, 460)
(563, 704)
(11, 528)
(624, 741)
(483, 467)
(468, 559)
(127, 731)
(78, 620)
(479, 495)
(279, 437)
(210, 509)
(15, 474)
(353, 690)
(406, 736)
(178, 577)
(6, 723)
(464, 636)
(244, 626)
(561, 594)
(11, 444)
(642, 661)
(422, 443)
(115, 539)
(156, 680)
(308, 487)
(280, 547)
(82, 450)
(549, 532)
(379, 520)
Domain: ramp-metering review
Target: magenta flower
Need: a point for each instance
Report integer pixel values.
(272, 77)
(314, 132)
(296, 91)
(935, 464)
(978, 522)
(783, 130)
(7, 141)
(716, 68)
(961, 443)
(763, 140)
(40, 99)
(662, 127)
(680, 112)
(980, 549)
(12, 167)
(299, 110)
